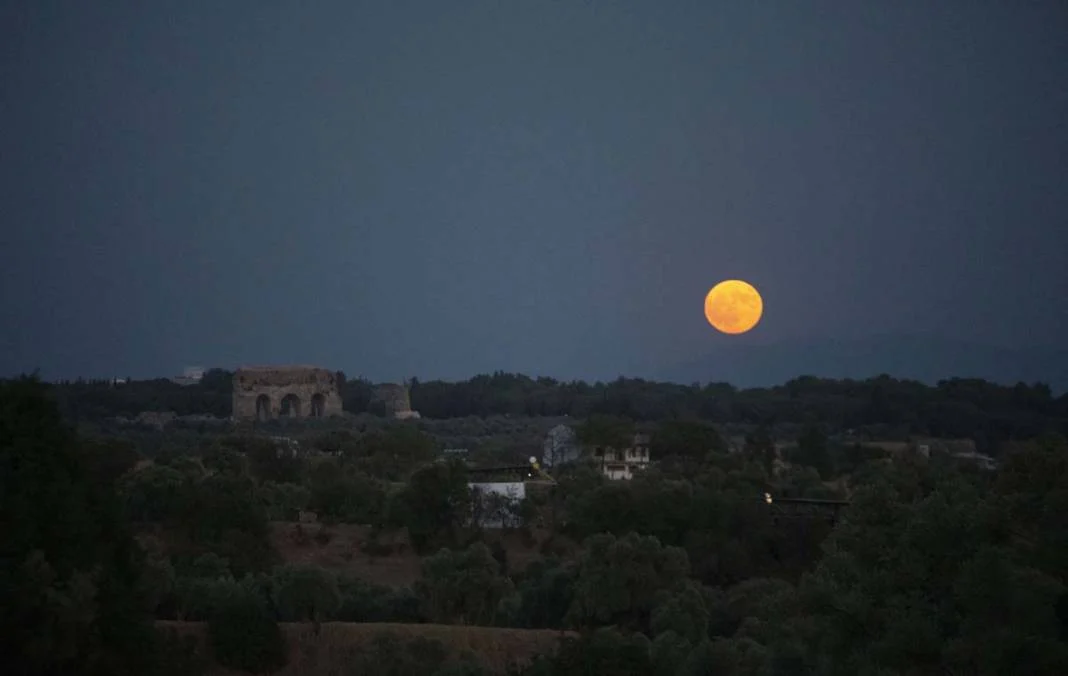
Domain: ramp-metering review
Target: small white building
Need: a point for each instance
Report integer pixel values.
(980, 460)
(191, 375)
(624, 463)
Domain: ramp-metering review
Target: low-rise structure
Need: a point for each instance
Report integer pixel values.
(980, 460)
(623, 463)
(190, 376)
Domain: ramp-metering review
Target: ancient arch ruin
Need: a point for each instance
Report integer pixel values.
(263, 407)
(269, 392)
(318, 406)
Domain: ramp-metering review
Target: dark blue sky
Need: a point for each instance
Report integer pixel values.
(446, 188)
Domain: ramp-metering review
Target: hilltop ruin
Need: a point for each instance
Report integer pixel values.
(269, 392)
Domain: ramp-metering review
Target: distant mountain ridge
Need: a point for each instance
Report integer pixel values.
(924, 358)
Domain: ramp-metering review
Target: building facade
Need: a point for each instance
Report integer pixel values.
(269, 392)
(623, 463)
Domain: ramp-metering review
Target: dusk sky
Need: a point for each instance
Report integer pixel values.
(551, 187)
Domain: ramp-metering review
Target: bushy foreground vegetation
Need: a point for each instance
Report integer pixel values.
(935, 567)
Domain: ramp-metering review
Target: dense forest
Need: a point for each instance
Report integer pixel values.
(884, 407)
(113, 543)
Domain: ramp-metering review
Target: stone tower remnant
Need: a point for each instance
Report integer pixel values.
(269, 392)
(396, 400)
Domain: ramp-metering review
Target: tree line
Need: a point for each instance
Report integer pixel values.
(886, 407)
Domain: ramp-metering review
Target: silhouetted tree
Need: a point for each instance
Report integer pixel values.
(69, 569)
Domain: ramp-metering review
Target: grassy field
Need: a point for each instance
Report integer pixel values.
(330, 652)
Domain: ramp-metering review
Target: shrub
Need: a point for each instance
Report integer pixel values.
(198, 598)
(389, 654)
(177, 655)
(283, 501)
(243, 635)
(302, 592)
(324, 536)
(363, 601)
(344, 496)
(375, 547)
(210, 565)
(299, 535)
(464, 586)
(605, 651)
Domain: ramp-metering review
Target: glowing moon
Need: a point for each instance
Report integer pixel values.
(733, 306)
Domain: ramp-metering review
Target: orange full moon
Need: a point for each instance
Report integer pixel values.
(733, 306)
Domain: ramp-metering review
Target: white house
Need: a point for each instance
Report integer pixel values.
(190, 376)
(624, 463)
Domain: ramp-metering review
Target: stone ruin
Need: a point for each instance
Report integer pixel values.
(396, 401)
(269, 392)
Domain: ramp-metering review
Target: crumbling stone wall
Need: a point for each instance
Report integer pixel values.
(395, 400)
(268, 392)
(395, 397)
